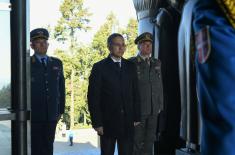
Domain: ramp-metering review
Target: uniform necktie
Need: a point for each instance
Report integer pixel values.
(43, 61)
(147, 60)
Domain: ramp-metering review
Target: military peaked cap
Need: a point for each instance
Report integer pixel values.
(146, 36)
(39, 33)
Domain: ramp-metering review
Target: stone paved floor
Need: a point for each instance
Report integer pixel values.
(85, 142)
(5, 138)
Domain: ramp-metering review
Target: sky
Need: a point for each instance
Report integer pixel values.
(5, 72)
(43, 15)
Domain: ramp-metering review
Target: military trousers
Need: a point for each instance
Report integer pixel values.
(42, 137)
(145, 135)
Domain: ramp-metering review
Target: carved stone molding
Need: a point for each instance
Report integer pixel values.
(145, 8)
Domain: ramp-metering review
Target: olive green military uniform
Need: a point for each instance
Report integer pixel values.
(151, 94)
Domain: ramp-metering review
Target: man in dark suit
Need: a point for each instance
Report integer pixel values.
(47, 94)
(113, 99)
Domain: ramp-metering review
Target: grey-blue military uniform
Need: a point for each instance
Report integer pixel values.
(47, 96)
(151, 95)
(47, 89)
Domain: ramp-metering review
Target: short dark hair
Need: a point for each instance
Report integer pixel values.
(111, 37)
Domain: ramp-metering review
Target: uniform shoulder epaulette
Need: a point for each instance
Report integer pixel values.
(156, 61)
(132, 58)
(55, 58)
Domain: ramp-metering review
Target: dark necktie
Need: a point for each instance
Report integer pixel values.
(43, 61)
(118, 64)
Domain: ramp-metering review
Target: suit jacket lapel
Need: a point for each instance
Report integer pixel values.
(123, 67)
(124, 76)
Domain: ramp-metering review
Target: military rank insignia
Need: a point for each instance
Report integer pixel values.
(203, 44)
(55, 68)
(157, 67)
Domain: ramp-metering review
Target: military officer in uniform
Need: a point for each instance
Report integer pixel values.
(151, 95)
(47, 94)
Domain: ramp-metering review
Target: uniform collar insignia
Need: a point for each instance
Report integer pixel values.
(138, 59)
(33, 59)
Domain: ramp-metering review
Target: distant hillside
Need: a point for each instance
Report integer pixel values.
(5, 96)
(4, 81)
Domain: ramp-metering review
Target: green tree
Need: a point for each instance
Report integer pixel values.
(99, 42)
(130, 34)
(83, 60)
(110, 26)
(75, 18)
